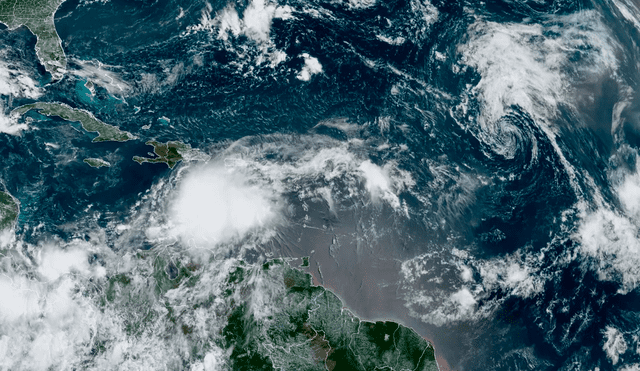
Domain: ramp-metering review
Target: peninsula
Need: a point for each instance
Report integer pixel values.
(37, 16)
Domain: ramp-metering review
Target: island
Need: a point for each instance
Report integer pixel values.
(88, 121)
(96, 162)
(8, 210)
(37, 16)
(90, 85)
(169, 153)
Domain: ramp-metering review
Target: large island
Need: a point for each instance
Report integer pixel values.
(88, 121)
(169, 153)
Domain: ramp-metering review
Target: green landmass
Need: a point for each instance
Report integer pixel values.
(97, 162)
(8, 210)
(169, 153)
(310, 330)
(257, 316)
(88, 121)
(37, 16)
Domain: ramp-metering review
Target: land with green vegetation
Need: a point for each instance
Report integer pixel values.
(169, 153)
(308, 329)
(37, 16)
(253, 316)
(8, 210)
(97, 162)
(88, 121)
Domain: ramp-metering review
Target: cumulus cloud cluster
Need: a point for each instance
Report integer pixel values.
(608, 235)
(441, 299)
(59, 311)
(239, 193)
(102, 75)
(44, 321)
(311, 67)
(614, 345)
(19, 84)
(255, 24)
(217, 204)
(521, 64)
(531, 66)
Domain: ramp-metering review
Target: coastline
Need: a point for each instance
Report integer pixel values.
(441, 362)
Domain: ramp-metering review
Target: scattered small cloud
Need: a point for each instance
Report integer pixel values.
(311, 67)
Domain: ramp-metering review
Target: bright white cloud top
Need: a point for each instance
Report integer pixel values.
(215, 205)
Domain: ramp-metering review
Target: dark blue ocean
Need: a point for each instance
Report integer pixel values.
(515, 244)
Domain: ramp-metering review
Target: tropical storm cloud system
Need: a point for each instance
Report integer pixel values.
(336, 185)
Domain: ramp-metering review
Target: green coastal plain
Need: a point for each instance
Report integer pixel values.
(169, 153)
(88, 121)
(37, 16)
(8, 210)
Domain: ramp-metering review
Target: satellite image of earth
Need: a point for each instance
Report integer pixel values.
(320, 185)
